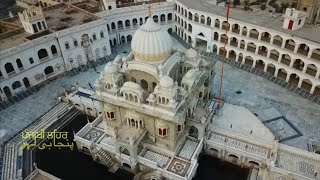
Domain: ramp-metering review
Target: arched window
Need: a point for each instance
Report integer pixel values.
(48, 70)
(179, 128)
(101, 34)
(144, 84)
(200, 95)
(162, 132)
(94, 37)
(163, 100)
(42, 53)
(54, 50)
(19, 64)
(16, 85)
(110, 115)
(154, 85)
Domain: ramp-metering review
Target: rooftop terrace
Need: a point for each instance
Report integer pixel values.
(62, 16)
(256, 17)
(58, 17)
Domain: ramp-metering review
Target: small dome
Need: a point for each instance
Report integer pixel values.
(191, 54)
(166, 82)
(152, 96)
(191, 73)
(172, 101)
(117, 59)
(111, 68)
(150, 43)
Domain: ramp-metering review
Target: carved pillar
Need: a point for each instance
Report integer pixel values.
(265, 68)
(309, 54)
(300, 83)
(271, 40)
(312, 89)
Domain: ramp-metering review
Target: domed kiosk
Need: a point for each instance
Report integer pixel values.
(151, 43)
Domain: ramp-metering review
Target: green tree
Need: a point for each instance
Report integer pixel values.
(283, 7)
(263, 6)
(272, 2)
(236, 2)
(294, 5)
(276, 6)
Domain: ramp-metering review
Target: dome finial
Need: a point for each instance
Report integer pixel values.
(149, 11)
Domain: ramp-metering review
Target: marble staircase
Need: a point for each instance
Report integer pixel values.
(105, 158)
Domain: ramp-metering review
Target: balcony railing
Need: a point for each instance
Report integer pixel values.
(235, 44)
(251, 49)
(303, 52)
(237, 31)
(44, 59)
(11, 73)
(255, 36)
(289, 47)
(50, 75)
(265, 39)
(285, 61)
(276, 42)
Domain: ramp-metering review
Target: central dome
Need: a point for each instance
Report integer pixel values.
(150, 43)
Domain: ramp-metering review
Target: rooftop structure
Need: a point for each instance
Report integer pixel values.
(57, 17)
(257, 18)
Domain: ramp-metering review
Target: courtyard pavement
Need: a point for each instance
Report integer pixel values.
(283, 112)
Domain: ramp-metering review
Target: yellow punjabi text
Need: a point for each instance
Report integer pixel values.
(54, 136)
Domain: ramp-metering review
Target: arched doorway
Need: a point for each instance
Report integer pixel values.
(42, 53)
(233, 158)
(306, 84)
(253, 165)
(7, 91)
(294, 79)
(144, 84)
(193, 132)
(16, 85)
(201, 42)
(213, 152)
(271, 69)
(48, 70)
(26, 82)
(123, 39)
(282, 74)
(9, 68)
(129, 38)
(260, 64)
(126, 166)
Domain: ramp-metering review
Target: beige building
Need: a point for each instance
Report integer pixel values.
(153, 108)
(312, 8)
